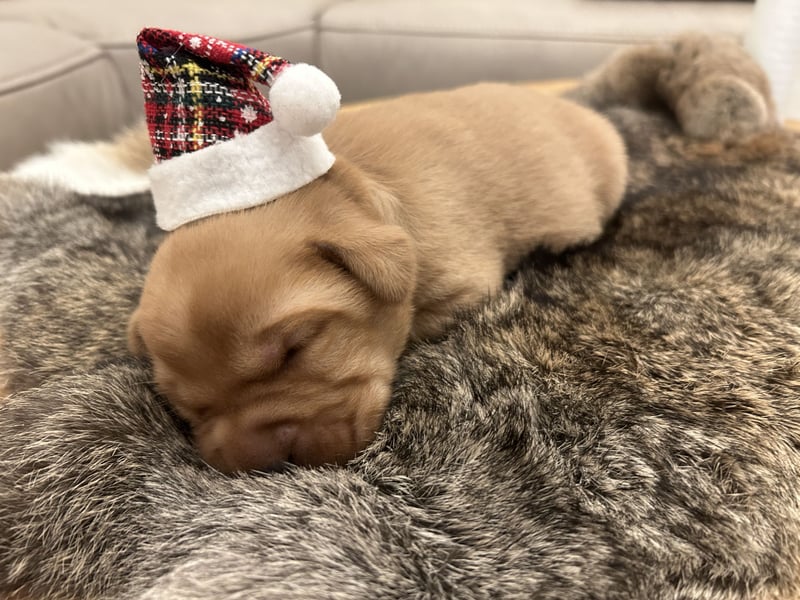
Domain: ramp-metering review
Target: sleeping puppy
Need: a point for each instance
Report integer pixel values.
(275, 331)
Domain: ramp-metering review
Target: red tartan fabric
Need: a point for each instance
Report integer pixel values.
(199, 90)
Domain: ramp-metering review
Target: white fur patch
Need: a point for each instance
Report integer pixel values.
(85, 168)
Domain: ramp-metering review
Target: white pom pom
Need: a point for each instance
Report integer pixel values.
(303, 100)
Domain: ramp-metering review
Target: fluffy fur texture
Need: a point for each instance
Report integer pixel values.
(713, 89)
(621, 422)
(111, 168)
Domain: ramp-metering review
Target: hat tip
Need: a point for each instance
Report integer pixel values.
(303, 100)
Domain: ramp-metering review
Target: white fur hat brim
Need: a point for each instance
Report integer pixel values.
(246, 171)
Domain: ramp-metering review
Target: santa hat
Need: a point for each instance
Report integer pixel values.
(220, 145)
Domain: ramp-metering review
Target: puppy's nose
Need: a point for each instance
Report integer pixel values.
(228, 446)
(254, 449)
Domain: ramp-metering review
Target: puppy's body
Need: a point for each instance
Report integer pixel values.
(478, 177)
(275, 331)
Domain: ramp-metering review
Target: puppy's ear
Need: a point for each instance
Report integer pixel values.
(135, 341)
(379, 256)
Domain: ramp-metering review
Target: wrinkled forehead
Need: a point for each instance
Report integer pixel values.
(222, 299)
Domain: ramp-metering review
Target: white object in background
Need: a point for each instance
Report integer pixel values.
(774, 41)
(91, 168)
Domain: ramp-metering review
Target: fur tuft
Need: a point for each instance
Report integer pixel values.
(713, 87)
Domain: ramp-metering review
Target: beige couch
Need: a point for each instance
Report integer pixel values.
(69, 69)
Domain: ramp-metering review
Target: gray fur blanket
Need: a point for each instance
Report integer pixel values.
(622, 421)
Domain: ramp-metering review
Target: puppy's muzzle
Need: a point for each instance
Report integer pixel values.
(269, 447)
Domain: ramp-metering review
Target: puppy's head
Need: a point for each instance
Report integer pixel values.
(274, 332)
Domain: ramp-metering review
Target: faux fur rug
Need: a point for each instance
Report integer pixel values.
(622, 421)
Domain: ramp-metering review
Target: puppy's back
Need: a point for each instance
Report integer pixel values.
(500, 163)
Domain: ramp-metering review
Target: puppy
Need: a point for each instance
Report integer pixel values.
(275, 331)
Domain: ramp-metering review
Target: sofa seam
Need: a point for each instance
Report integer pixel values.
(130, 111)
(550, 37)
(248, 40)
(53, 73)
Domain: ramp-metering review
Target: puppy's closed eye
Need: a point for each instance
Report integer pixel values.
(275, 353)
(292, 353)
(280, 345)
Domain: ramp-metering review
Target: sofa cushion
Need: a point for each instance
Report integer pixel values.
(427, 45)
(56, 86)
(282, 28)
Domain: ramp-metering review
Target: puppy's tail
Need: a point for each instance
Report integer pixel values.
(714, 89)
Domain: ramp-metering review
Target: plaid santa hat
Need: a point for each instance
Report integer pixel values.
(220, 145)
